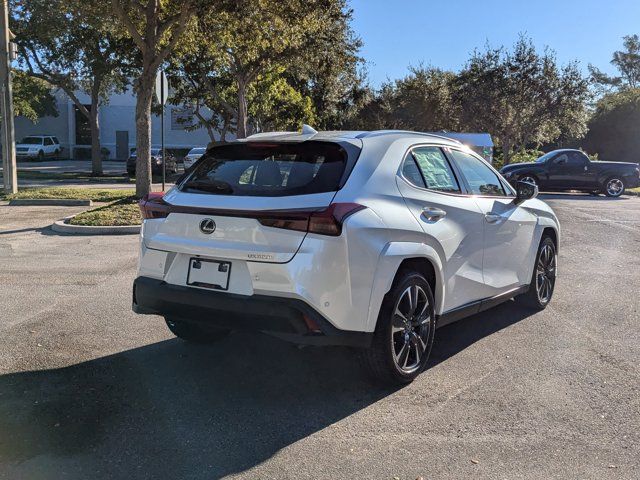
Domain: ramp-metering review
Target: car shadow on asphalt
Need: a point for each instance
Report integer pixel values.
(174, 410)
(455, 337)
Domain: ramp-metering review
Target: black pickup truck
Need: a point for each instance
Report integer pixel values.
(566, 169)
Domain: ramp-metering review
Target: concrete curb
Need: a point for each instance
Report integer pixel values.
(60, 202)
(62, 227)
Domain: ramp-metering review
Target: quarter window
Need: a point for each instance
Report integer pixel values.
(481, 179)
(428, 167)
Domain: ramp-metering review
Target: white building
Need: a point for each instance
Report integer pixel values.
(117, 127)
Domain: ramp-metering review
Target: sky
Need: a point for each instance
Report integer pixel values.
(402, 33)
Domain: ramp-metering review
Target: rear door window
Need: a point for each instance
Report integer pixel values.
(435, 169)
(269, 169)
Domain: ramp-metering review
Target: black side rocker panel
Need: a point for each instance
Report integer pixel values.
(478, 306)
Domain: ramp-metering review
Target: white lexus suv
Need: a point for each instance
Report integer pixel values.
(365, 239)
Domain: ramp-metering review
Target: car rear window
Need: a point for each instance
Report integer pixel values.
(269, 169)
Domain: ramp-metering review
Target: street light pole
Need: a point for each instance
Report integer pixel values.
(9, 169)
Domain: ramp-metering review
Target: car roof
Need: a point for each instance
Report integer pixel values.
(565, 150)
(348, 135)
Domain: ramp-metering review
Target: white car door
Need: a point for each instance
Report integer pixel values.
(508, 228)
(49, 146)
(451, 220)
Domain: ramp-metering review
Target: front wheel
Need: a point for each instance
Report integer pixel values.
(529, 179)
(404, 333)
(543, 280)
(614, 187)
(194, 334)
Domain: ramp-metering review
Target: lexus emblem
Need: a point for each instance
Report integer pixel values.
(207, 226)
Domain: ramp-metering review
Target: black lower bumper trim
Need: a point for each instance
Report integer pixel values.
(278, 316)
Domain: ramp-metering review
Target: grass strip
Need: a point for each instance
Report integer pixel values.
(95, 194)
(122, 212)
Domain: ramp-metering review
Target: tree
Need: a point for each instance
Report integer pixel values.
(155, 27)
(521, 97)
(71, 48)
(626, 61)
(256, 37)
(32, 97)
(422, 100)
(331, 72)
(614, 128)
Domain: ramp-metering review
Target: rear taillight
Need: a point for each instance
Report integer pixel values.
(153, 206)
(324, 222)
(329, 221)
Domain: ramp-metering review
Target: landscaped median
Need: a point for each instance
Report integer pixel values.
(121, 217)
(118, 213)
(634, 191)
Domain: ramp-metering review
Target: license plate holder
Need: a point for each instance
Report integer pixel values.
(212, 274)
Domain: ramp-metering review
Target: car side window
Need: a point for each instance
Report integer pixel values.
(47, 141)
(481, 179)
(578, 159)
(411, 173)
(435, 169)
(561, 159)
(55, 140)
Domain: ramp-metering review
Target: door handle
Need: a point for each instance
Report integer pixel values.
(492, 217)
(433, 213)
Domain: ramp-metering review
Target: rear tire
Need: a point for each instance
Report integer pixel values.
(613, 187)
(193, 334)
(543, 279)
(404, 332)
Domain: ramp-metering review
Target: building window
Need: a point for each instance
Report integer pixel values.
(182, 118)
(83, 130)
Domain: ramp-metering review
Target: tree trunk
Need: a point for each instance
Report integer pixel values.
(506, 152)
(94, 126)
(144, 93)
(96, 158)
(242, 108)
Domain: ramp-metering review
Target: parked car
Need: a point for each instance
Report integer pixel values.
(568, 169)
(38, 147)
(366, 239)
(193, 155)
(156, 162)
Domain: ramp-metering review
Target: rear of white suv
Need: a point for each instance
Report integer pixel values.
(313, 238)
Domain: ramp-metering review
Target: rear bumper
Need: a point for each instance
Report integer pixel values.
(278, 316)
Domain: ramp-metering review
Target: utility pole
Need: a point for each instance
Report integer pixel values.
(9, 168)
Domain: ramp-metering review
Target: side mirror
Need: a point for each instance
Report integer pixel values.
(525, 191)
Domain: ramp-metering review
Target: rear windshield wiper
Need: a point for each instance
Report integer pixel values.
(210, 186)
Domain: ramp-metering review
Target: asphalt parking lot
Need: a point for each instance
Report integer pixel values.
(90, 390)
